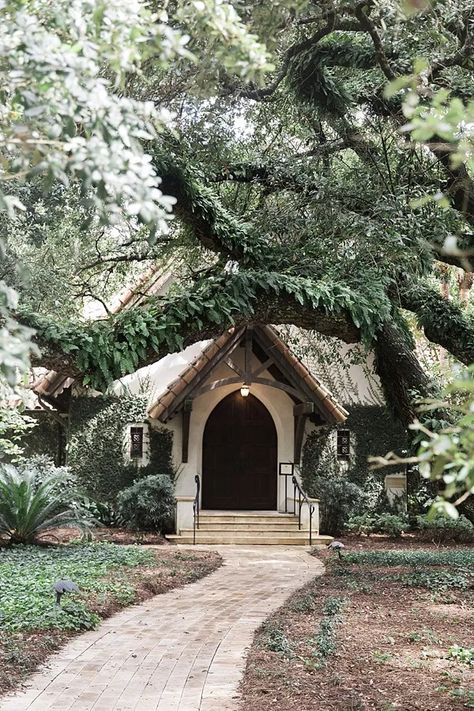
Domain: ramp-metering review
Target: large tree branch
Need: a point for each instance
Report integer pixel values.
(369, 26)
(332, 24)
(201, 211)
(443, 322)
(106, 350)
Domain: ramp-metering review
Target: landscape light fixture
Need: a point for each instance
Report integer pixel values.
(64, 586)
(245, 390)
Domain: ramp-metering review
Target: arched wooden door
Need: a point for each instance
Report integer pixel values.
(239, 467)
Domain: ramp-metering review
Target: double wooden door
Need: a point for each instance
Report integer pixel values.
(239, 468)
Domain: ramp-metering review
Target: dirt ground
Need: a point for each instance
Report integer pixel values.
(121, 536)
(390, 643)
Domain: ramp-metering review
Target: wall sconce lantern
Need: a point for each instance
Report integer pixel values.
(245, 390)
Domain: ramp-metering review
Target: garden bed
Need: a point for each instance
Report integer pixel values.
(378, 632)
(109, 577)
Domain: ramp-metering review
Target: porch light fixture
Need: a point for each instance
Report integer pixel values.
(245, 390)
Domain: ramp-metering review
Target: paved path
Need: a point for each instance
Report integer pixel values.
(181, 651)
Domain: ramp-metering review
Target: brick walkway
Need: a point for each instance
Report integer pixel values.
(181, 651)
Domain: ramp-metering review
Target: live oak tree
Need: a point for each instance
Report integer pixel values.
(66, 114)
(301, 199)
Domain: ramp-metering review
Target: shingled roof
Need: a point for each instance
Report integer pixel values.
(193, 375)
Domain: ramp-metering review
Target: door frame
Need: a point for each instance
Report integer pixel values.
(277, 426)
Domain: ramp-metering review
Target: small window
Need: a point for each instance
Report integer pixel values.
(136, 442)
(343, 444)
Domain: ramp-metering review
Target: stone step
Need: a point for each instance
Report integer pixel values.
(228, 531)
(273, 519)
(257, 527)
(248, 521)
(205, 538)
(240, 531)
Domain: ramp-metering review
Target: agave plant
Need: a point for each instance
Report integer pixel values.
(32, 504)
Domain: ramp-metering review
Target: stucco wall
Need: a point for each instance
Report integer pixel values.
(277, 402)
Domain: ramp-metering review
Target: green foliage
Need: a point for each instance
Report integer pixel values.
(28, 574)
(447, 455)
(46, 438)
(16, 345)
(33, 501)
(441, 529)
(462, 654)
(325, 640)
(373, 430)
(14, 426)
(277, 641)
(107, 350)
(338, 498)
(438, 581)
(436, 571)
(103, 513)
(389, 524)
(314, 83)
(442, 116)
(105, 151)
(80, 124)
(361, 524)
(414, 559)
(148, 504)
(98, 427)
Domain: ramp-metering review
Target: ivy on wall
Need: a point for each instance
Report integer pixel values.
(95, 449)
(47, 437)
(374, 431)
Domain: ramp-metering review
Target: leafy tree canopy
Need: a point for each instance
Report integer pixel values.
(298, 194)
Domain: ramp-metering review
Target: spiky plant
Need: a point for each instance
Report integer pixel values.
(32, 504)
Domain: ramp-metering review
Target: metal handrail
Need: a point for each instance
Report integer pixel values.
(196, 507)
(303, 499)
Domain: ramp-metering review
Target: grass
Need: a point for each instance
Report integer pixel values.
(382, 629)
(108, 576)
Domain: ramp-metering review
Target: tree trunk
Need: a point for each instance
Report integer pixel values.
(403, 379)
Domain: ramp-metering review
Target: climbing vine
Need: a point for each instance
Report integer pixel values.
(96, 444)
(373, 432)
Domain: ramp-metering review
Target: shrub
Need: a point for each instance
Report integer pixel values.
(103, 513)
(46, 469)
(362, 524)
(148, 504)
(392, 525)
(441, 529)
(338, 499)
(33, 502)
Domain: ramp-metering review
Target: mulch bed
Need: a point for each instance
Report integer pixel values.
(21, 653)
(121, 536)
(390, 651)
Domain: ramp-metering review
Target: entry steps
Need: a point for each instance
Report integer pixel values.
(248, 528)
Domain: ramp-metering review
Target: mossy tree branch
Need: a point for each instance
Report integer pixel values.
(101, 351)
(442, 321)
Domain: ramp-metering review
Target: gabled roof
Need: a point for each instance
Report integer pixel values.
(288, 371)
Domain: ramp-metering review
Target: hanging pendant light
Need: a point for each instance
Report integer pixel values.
(245, 390)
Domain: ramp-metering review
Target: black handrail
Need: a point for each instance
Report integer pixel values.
(303, 499)
(196, 507)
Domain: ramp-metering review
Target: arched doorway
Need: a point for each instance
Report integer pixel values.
(239, 460)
